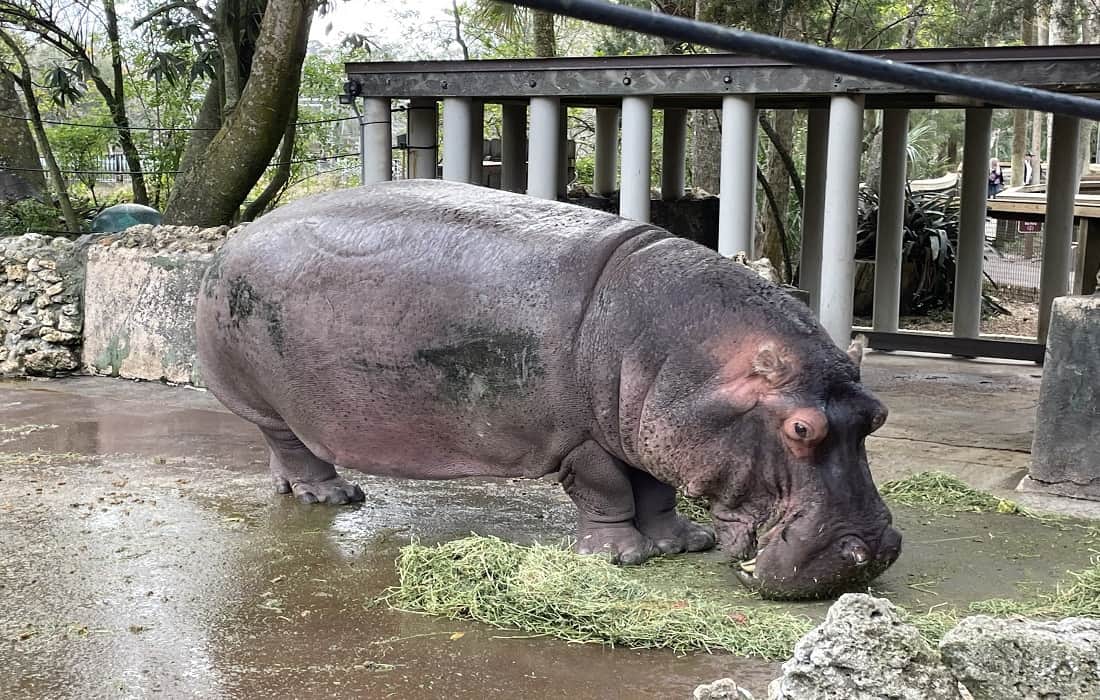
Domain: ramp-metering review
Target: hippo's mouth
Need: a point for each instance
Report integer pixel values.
(844, 565)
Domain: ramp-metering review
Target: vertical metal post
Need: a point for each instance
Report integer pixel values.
(375, 140)
(673, 154)
(1065, 180)
(607, 151)
(563, 153)
(423, 116)
(838, 234)
(737, 176)
(891, 219)
(972, 209)
(542, 156)
(457, 118)
(813, 208)
(477, 142)
(513, 147)
(636, 159)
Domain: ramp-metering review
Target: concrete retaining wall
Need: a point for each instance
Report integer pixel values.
(139, 302)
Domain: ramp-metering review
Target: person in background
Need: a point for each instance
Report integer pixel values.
(996, 177)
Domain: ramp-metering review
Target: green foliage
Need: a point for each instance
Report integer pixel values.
(28, 216)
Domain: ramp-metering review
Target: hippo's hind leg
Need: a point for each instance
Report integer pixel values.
(297, 470)
(599, 485)
(655, 517)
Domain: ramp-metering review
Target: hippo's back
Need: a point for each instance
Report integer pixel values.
(409, 319)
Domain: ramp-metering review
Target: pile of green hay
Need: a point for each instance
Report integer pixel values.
(941, 490)
(551, 591)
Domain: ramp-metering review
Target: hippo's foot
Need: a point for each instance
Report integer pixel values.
(335, 491)
(622, 542)
(673, 533)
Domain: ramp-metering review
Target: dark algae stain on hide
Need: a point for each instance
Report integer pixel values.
(213, 274)
(244, 303)
(485, 365)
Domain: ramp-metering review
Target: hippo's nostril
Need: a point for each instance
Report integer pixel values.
(856, 550)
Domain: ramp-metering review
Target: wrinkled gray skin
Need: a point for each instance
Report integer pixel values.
(433, 330)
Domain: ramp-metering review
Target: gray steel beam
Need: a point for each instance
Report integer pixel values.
(543, 151)
(423, 116)
(636, 158)
(967, 315)
(1062, 187)
(838, 236)
(457, 128)
(673, 154)
(813, 207)
(949, 345)
(513, 147)
(737, 176)
(607, 151)
(375, 141)
(891, 219)
(1063, 69)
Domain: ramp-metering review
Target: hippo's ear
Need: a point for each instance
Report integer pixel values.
(772, 365)
(856, 349)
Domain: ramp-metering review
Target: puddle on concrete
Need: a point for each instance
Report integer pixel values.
(142, 553)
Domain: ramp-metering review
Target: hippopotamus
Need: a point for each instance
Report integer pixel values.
(425, 329)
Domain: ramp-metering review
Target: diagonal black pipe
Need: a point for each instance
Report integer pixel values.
(788, 51)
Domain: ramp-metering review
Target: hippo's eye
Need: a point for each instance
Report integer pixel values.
(878, 420)
(801, 430)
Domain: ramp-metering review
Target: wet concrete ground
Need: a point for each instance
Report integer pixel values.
(142, 552)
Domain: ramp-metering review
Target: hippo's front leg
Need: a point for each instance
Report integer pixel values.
(655, 517)
(599, 485)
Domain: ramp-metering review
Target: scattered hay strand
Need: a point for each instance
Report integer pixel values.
(697, 509)
(941, 490)
(551, 591)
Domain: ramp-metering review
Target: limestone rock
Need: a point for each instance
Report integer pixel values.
(722, 689)
(50, 362)
(863, 651)
(1025, 659)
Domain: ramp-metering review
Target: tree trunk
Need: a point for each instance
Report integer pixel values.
(282, 172)
(23, 80)
(706, 149)
(210, 192)
(17, 149)
(775, 222)
(207, 123)
(118, 107)
(545, 42)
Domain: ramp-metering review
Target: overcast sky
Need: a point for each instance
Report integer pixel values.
(389, 22)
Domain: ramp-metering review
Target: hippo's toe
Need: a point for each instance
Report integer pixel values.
(336, 491)
(624, 544)
(674, 533)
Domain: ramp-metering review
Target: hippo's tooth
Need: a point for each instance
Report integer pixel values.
(749, 566)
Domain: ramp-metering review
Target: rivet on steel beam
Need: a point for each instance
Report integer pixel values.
(626, 80)
(443, 85)
(533, 83)
(727, 79)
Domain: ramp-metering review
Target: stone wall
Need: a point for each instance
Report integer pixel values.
(139, 301)
(40, 311)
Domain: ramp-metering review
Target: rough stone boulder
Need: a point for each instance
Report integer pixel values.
(722, 689)
(864, 651)
(1024, 659)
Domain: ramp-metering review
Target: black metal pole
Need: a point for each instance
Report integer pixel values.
(788, 51)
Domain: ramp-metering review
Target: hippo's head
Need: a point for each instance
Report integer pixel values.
(771, 429)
